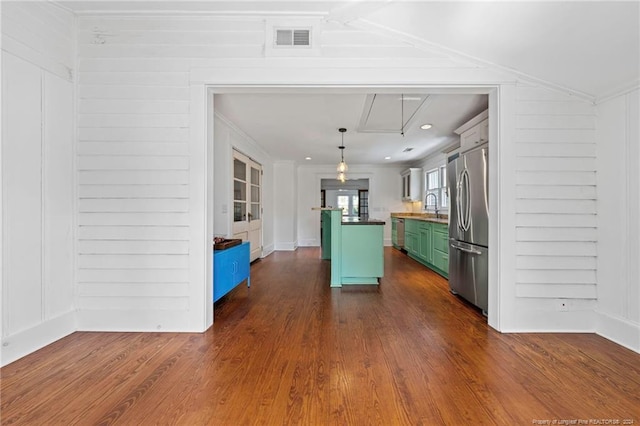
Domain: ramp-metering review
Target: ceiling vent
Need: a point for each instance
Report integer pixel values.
(290, 37)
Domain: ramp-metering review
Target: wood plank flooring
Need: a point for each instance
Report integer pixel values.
(291, 350)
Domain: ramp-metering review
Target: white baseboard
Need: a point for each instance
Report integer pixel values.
(136, 321)
(312, 242)
(286, 246)
(551, 322)
(622, 331)
(25, 342)
(267, 250)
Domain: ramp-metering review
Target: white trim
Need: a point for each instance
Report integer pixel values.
(269, 78)
(267, 250)
(287, 246)
(236, 129)
(200, 316)
(502, 222)
(28, 341)
(620, 91)
(620, 330)
(121, 320)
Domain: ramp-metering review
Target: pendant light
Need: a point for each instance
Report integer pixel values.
(342, 166)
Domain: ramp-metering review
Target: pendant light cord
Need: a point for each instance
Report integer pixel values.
(402, 114)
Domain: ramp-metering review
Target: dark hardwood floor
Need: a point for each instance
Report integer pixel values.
(291, 350)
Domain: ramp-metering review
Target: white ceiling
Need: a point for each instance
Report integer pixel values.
(293, 126)
(589, 47)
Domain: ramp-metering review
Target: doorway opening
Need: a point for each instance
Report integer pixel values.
(351, 196)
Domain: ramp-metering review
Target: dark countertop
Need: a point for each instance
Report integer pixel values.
(360, 221)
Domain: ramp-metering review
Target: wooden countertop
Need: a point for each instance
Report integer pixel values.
(425, 217)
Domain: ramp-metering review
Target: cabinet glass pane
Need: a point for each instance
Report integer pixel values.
(239, 190)
(255, 194)
(239, 170)
(255, 211)
(239, 210)
(255, 176)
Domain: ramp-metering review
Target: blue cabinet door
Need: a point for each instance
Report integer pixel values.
(230, 268)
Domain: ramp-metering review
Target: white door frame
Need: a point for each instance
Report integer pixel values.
(204, 83)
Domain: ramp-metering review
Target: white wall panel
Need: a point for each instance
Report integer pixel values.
(143, 177)
(133, 120)
(127, 205)
(556, 207)
(134, 289)
(22, 190)
(133, 191)
(58, 184)
(555, 220)
(619, 219)
(135, 93)
(125, 261)
(38, 176)
(133, 219)
(131, 149)
(132, 247)
(121, 162)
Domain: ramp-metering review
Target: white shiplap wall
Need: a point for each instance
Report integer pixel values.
(555, 196)
(135, 166)
(38, 56)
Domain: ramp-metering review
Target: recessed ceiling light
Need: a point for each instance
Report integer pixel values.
(426, 126)
(307, 158)
(387, 158)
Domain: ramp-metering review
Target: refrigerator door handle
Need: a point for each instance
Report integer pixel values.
(466, 215)
(459, 203)
(464, 249)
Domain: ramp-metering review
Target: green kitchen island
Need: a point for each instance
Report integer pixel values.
(354, 246)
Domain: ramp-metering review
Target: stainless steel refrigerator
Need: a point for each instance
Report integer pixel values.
(467, 179)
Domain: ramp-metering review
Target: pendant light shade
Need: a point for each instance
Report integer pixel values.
(342, 166)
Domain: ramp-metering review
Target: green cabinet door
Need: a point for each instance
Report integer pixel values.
(425, 251)
(394, 232)
(441, 248)
(428, 243)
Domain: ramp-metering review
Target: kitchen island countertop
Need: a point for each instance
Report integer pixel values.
(361, 221)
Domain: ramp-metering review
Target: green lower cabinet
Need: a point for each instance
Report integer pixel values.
(428, 243)
(411, 243)
(441, 261)
(394, 232)
(426, 247)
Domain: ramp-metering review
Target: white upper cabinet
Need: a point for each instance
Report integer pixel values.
(475, 132)
(412, 184)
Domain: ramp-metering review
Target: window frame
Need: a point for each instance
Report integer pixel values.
(440, 190)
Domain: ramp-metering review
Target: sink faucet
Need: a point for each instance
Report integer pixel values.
(436, 204)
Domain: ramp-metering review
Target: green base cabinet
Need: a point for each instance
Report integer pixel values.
(394, 232)
(428, 243)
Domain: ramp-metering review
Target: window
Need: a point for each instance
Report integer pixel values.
(436, 184)
(348, 204)
(343, 203)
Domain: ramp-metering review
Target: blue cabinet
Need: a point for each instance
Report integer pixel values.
(230, 268)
